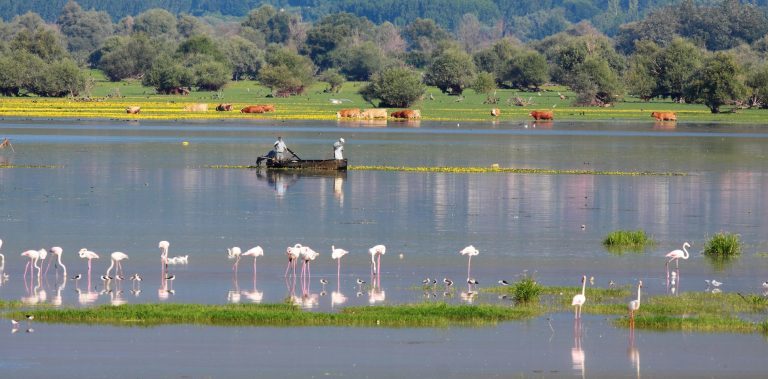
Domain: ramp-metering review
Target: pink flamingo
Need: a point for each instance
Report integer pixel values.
(293, 253)
(675, 255)
(117, 257)
(89, 255)
(469, 251)
(254, 252)
(337, 254)
(33, 256)
(634, 305)
(376, 253)
(234, 253)
(308, 255)
(580, 299)
(57, 251)
(163, 245)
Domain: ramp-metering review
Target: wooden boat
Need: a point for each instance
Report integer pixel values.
(305, 164)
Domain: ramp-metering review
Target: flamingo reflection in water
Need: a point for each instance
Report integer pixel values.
(337, 298)
(56, 301)
(633, 353)
(577, 353)
(673, 283)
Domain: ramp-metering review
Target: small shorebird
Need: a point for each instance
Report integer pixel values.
(448, 282)
(503, 282)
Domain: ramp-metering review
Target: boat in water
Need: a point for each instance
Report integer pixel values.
(303, 164)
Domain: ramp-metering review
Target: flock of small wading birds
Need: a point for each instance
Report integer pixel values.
(294, 254)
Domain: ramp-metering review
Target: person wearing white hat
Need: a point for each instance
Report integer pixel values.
(338, 149)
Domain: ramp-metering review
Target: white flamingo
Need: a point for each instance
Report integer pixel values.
(89, 255)
(293, 253)
(57, 251)
(580, 299)
(307, 255)
(117, 258)
(33, 256)
(634, 305)
(337, 254)
(469, 251)
(676, 255)
(234, 253)
(376, 253)
(254, 252)
(2, 266)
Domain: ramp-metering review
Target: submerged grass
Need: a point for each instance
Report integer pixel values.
(278, 315)
(619, 241)
(484, 170)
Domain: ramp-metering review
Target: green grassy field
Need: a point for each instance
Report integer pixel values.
(110, 100)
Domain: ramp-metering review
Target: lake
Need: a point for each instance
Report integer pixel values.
(124, 186)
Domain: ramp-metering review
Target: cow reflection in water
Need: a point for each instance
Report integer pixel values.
(577, 353)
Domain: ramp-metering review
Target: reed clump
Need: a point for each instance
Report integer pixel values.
(620, 241)
(723, 246)
(526, 291)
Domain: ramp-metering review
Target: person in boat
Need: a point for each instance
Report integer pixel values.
(280, 148)
(338, 149)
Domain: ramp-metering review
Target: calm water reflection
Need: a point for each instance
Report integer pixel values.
(126, 186)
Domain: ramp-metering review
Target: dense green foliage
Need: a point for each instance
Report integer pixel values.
(627, 240)
(395, 86)
(723, 245)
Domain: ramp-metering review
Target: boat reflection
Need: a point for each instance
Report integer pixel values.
(281, 180)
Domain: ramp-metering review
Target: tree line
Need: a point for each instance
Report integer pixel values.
(712, 54)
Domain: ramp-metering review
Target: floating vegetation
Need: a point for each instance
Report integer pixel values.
(5, 165)
(493, 170)
(619, 241)
(723, 246)
(526, 290)
(409, 315)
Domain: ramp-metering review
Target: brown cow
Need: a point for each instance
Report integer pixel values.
(200, 107)
(268, 107)
(253, 109)
(224, 107)
(373, 113)
(133, 110)
(407, 114)
(348, 113)
(542, 115)
(495, 112)
(664, 116)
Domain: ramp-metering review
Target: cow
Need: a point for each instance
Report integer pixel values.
(348, 113)
(407, 114)
(374, 113)
(542, 115)
(199, 107)
(495, 112)
(253, 109)
(224, 107)
(664, 116)
(183, 91)
(133, 110)
(268, 107)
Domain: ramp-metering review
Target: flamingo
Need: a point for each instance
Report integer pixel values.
(57, 252)
(293, 253)
(33, 256)
(43, 255)
(675, 255)
(469, 251)
(308, 255)
(89, 255)
(2, 266)
(117, 257)
(234, 253)
(579, 299)
(634, 305)
(337, 254)
(254, 252)
(376, 253)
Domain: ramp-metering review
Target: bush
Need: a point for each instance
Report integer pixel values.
(526, 291)
(619, 241)
(723, 245)
(396, 87)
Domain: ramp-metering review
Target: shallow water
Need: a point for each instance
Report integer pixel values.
(124, 186)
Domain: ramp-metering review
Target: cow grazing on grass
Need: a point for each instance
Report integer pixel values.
(542, 115)
(348, 113)
(200, 107)
(374, 113)
(495, 112)
(224, 107)
(664, 116)
(407, 114)
(133, 110)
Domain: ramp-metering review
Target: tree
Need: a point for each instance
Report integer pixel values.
(716, 82)
(674, 66)
(640, 77)
(188, 26)
(395, 87)
(360, 61)
(156, 23)
(526, 69)
(334, 80)
(388, 38)
(275, 26)
(200, 45)
(44, 43)
(757, 82)
(126, 57)
(211, 75)
(58, 79)
(285, 72)
(339, 30)
(485, 83)
(452, 71)
(85, 31)
(243, 56)
(595, 82)
(167, 74)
